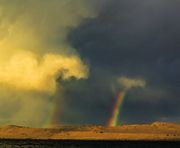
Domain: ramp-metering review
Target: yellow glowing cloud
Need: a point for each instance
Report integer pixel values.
(34, 52)
(24, 71)
(33, 44)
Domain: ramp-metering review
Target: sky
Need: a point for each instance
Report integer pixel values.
(63, 62)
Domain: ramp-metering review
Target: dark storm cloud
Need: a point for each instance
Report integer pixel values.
(134, 38)
(87, 101)
(149, 106)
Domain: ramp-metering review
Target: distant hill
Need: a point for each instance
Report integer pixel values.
(154, 131)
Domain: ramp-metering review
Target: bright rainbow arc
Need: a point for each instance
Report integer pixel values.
(113, 121)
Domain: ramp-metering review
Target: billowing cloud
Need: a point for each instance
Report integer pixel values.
(23, 71)
(34, 53)
(128, 83)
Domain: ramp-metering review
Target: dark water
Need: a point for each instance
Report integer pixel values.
(86, 144)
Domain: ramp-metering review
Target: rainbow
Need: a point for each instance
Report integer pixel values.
(52, 111)
(113, 121)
